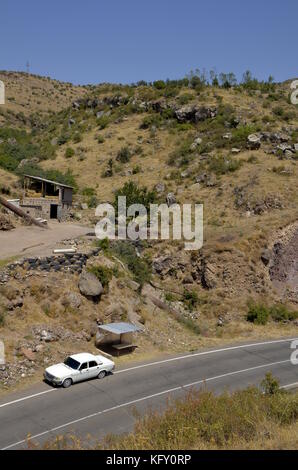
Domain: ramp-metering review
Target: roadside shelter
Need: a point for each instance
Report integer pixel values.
(119, 336)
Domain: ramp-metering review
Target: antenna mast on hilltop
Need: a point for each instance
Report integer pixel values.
(27, 67)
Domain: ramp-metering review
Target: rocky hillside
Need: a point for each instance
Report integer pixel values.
(231, 147)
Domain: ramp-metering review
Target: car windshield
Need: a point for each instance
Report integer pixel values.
(70, 362)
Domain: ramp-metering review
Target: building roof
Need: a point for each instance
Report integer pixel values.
(119, 328)
(56, 183)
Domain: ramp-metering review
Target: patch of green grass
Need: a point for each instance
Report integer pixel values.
(190, 324)
(202, 419)
(260, 313)
(190, 299)
(221, 165)
(103, 274)
(139, 267)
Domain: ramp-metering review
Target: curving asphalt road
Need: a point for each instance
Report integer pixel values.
(103, 406)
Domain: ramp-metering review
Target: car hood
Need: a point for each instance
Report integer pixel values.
(60, 370)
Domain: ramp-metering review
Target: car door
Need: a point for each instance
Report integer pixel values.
(83, 372)
(94, 369)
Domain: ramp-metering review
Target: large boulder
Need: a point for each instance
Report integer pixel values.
(72, 299)
(185, 113)
(89, 285)
(204, 113)
(253, 142)
(195, 113)
(171, 200)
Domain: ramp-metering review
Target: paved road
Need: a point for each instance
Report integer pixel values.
(99, 407)
(35, 241)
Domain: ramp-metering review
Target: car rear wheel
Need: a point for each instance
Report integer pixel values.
(102, 374)
(67, 383)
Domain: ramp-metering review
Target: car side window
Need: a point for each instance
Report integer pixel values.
(84, 366)
(92, 364)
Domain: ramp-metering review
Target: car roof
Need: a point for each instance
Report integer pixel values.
(83, 357)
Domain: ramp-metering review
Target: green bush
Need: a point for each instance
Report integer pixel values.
(103, 244)
(69, 152)
(135, 195)
(190, 324)
(16, 146)
(278, 111)
(103, 274)
(270, 385)
(124, 155)
(221, 165)
(280, 313)
(140, 267)
(239, 135)
(151, 120)
(103, 122)
(77, 138)
(185, 98)
(258, 314)
(88, 192)
(183, 154)
(92, 202)
(63, 138)
(159, 84)
(190, 299)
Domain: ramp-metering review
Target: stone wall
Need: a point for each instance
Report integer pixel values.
(68, 263)
(41, 207)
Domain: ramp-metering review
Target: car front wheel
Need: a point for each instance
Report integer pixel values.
(102, 374)
(67, 383)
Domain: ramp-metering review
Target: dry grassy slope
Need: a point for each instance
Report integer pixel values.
(226, 228)
(221, 216)
(28, 94)
(233, 241)
(8, 180)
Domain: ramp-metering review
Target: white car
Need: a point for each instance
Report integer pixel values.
(77, 368)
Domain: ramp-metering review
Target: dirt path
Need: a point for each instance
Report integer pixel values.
(35, 241)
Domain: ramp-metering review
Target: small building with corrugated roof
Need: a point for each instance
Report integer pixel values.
(45, 198)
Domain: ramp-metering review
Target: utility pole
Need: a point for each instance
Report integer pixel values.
(27, 67)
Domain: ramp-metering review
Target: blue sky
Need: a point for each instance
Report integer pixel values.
(94, 41)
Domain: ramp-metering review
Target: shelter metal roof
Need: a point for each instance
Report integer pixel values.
(38, 178)
(119, 328)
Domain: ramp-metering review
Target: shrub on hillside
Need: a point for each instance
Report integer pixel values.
(124, 155)
(202, 419)
(185, 98)
(88, 192)
(69, 152)
(135, 195)
(260, 314)
(159, 84)
(151, 120)
(221, 165)
(103, 122)
(103, 274)
(190, 299)
(239, 135)
(140, 267)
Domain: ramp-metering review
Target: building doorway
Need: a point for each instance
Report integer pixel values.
(54, 211)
